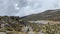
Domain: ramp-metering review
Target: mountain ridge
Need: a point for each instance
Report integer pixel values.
(46, 15)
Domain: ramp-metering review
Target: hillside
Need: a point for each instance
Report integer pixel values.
(10, 23)
(46, 15)
(13, 23)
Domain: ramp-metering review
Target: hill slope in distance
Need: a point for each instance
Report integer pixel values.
(46, 15)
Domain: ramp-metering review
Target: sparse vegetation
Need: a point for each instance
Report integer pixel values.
(47, 15)
(15, 24)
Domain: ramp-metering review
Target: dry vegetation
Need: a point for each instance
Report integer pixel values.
(14, 24)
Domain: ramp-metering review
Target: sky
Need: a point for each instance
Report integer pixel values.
(26, 7)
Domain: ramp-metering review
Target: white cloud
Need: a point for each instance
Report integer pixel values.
(16, 7)
(26, 7)
(36, 6)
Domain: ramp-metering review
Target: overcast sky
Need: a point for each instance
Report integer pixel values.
(26, 7)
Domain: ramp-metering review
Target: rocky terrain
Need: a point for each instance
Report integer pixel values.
(14, 25)
(18, 25)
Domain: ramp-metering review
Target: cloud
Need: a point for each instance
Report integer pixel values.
(26, 7)
(37, 6)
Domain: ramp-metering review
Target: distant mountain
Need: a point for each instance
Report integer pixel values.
(47, 15)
